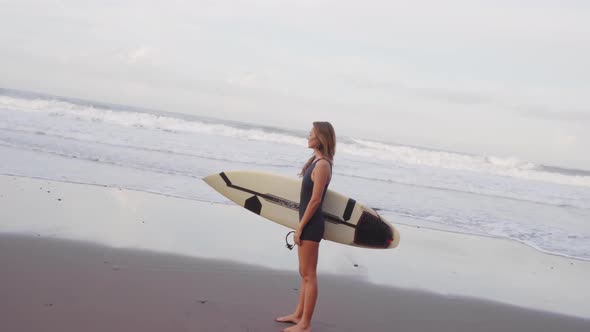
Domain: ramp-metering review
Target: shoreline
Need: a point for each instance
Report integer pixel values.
(400, 217)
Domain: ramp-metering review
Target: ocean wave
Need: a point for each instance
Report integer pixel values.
(60, 108)
(397, 155)
(511, 167)
(76, 146)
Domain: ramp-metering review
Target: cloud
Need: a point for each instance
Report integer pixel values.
(142, 56)
(248, 80)
(555, 113)
(523, 105)
(454, 96)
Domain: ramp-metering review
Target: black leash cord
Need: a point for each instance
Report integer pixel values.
(288, 245)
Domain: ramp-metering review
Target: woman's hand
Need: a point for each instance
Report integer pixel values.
(297, 236)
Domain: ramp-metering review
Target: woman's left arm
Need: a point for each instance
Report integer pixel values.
(321, 175)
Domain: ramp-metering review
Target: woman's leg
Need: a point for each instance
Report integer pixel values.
(308, 261)
(296, 316)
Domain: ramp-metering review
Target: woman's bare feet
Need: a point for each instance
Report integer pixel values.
(291, 319)
(298, 328)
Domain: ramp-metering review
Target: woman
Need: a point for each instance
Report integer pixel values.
(316, 173)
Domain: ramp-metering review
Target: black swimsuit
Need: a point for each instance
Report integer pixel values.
(314, 229)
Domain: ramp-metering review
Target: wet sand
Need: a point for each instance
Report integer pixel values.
(63, 285)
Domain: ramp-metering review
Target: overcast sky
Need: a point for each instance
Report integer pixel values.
(504, 78)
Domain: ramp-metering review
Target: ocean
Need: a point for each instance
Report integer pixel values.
(72, 140)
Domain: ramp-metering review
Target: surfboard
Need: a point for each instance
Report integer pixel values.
(276, 198)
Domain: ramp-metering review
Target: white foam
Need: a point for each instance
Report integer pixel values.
(144, 120)
(399, 155)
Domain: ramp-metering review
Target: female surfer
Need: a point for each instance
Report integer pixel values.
(316, 174)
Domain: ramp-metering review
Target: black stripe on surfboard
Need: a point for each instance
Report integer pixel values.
(271, 198)
(293, 205)
(349, 207)
(337, 220)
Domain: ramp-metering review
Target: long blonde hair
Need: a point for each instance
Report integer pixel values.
(327, 136)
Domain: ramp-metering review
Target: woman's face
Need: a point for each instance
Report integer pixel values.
(312, 140)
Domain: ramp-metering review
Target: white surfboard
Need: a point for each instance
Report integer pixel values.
(276, 198)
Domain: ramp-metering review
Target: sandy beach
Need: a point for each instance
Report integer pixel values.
(62, 285)
(78, 257)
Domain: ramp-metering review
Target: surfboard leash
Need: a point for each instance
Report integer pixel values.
(289, 245)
